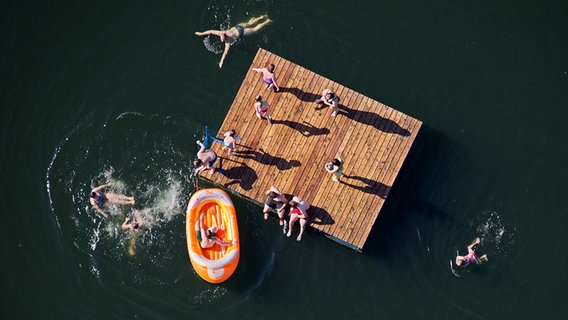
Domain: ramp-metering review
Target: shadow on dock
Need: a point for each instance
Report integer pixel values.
(320, 216)
(373, 119)
(301, 94)
(307, 129)
(242, 174)
(371, 186)
(265, 158)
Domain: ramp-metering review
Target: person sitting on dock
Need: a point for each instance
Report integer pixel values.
(261, 108)
(275, 201)
(298, 211)
(329, 98)
(208, 237)
(268, 76)
(471, 255)
(205, 159)
(99, 199)
(230, 142)
(230, 37)
(335, 167)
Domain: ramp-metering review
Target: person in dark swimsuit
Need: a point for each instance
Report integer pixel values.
(100, 200)
(275, 201)
(230, 37)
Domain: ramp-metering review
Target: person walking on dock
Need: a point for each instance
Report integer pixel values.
(230, 37)
(268, 76)
(335, 167)
(261, 108)
(329, 98)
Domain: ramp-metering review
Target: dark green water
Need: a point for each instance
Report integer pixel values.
(92, 91)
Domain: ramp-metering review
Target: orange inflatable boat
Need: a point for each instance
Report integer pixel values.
(215, 264)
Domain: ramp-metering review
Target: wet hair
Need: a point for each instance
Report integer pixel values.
(135, 225)
(270, 68)
(93, 194)
(232, 132)
(197, 162)
(258, 98)
(336, 162)
(293, 204)
(272, 194)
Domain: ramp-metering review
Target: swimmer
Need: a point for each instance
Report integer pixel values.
(268, 76)
(205, 159)
(471, 256)
(230, 37)
(208, 237)
(132, 225)
(100, 200)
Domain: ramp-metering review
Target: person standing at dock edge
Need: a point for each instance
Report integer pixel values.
(230, 37)
(261, 108)
(329, 98)
(268, 76)
(205, 159)
(230, 143)
(335, 167)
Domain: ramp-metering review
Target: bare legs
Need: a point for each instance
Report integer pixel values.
(303, 223)
(114, 198)
(253, 24)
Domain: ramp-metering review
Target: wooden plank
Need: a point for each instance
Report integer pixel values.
(372, 138)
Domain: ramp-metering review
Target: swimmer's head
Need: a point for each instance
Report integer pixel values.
(197, 162)
(135, 225)
(257, 98)
(272, 194)
(93, 195)
(270, 67)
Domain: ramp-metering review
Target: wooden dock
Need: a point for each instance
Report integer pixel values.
(372, 139)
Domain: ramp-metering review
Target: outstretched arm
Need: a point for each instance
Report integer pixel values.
(227, 47)
(204, 33)
(101, 187)
(125, 223)
(99, 210)
(224, 243)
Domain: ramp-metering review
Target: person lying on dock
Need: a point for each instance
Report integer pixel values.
(298, 211)
(230, 142)
(205, 159)
(100, 200)
(208, 237)
(275, 201)
(268, 76)
(471, 255)
(329, 98)
(261, 108)
(230, 37)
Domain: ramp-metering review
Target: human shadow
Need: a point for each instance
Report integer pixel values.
(265, 158)
(371, 186)
(373, 119)
(242, 174)
(305, 128)
(301, 94)
(319, 216)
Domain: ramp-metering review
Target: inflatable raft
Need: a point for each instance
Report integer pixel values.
(215, 264)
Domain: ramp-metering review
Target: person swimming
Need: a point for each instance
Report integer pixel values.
(464, 261)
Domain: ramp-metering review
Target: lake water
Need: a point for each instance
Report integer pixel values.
(102, 91)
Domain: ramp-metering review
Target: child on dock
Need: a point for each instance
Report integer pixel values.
(268, 76)
(335, 167)
(329, 98)
(261, 108)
